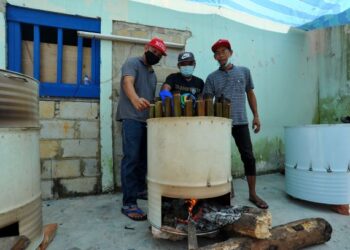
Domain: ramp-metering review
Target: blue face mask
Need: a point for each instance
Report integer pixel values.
(187, 71)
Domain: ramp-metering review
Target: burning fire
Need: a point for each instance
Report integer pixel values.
(191, 203)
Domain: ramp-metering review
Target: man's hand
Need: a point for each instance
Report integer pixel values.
(140, 104)
(256, 124)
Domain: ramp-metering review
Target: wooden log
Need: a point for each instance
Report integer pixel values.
(49, 231)
(294, 235)
(341, 209)
(254, 222)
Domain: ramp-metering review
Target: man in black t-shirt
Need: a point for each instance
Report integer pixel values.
(184, 81)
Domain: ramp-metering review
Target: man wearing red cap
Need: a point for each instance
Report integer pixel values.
(137, 89)
(235, 83)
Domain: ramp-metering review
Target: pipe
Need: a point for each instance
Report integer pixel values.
(125, 39)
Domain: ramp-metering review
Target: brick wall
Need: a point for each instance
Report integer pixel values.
(123, 50)
(69, 148)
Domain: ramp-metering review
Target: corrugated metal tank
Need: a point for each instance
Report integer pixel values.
(317, 161)
(188, 157)
(20, 196)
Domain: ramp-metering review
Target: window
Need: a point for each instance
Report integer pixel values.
(45, 45)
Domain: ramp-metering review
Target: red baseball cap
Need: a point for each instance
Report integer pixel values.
(221, 43)
(158, 44)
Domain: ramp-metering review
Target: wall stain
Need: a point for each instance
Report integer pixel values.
(269, 155)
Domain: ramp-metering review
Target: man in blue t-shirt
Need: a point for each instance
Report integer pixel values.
(235, 83)
(137, 89)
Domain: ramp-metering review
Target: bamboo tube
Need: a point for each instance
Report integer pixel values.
(158, 109)
(218, 109)
(209, 108)
(226, 108)
(200, 107)
(167, 107)
(151, 111)
(177, 104)
(188, 108)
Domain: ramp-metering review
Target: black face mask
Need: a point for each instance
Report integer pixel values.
(151, 58)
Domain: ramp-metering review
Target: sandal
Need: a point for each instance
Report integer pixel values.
(134, 212)
(259, 203)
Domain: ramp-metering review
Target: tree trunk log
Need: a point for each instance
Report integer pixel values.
(254, 222)
(294, 235)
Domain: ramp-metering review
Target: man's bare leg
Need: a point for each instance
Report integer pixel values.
(253, 197)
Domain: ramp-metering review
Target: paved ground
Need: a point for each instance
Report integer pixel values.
(95, 222)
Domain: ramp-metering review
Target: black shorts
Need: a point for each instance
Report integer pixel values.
(244, 144)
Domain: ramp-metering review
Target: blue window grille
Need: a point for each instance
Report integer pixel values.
(32, 23)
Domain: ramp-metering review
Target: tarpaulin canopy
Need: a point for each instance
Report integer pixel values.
(277, 15)
(304, 14)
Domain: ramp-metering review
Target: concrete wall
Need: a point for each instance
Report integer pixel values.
(69, 148)
(285, 68)
(330, 52)
(123, 50)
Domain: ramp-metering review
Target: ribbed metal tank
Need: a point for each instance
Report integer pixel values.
(188, 157)
(20, 196)
(317, 163)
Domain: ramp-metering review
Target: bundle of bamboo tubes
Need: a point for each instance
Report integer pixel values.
(202, 106)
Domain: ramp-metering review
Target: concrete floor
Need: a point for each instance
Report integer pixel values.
(95, 222)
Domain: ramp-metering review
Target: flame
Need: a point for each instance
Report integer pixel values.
(191, 203)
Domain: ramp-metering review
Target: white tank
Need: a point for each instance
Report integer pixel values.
(20, 196)
(317, 161)
(188, 157)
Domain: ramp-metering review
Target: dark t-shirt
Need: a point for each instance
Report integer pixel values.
(178, 83)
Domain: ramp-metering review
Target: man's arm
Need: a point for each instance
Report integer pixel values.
(208, 87)
(139, 103)
(254, 107)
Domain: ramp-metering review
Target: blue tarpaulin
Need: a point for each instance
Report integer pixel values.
(303, 14)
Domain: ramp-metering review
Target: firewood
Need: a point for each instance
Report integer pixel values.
(341, 209)
(49, 233)
(294, 235)
(254, 222)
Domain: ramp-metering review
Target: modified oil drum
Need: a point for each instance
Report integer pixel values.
(20, 196)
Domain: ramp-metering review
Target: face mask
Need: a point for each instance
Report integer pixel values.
(187, 71)
(151, 58)
(226, 64)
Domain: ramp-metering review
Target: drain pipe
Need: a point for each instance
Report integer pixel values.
(125, 39)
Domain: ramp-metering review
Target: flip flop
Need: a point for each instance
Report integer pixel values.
(259, 203)
(130, 210)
